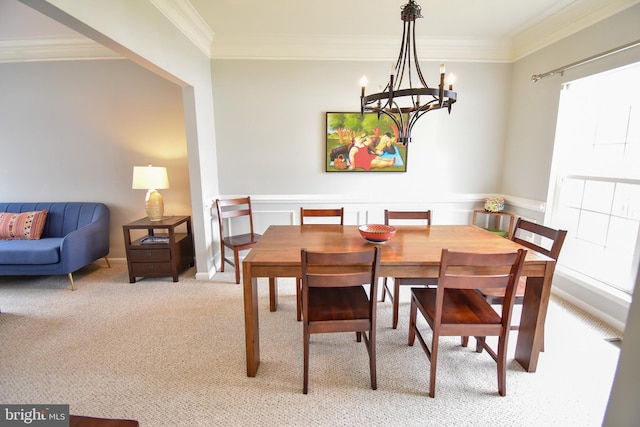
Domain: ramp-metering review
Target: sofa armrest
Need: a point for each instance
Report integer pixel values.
(86, 244)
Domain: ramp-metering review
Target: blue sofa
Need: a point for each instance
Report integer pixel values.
(75, 234)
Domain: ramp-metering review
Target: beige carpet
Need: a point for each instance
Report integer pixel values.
(172, 354)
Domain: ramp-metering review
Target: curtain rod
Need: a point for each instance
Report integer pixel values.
(561, 70)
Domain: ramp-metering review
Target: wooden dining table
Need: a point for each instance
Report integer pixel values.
(414, 251)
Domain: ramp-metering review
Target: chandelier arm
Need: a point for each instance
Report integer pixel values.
(402, 105)
(415, 56)
(402, 58)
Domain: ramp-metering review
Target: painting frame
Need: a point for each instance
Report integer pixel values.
(347, 133)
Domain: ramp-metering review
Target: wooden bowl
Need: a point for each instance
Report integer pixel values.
(377, 233)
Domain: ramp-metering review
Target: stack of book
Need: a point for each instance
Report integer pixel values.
(151, 240)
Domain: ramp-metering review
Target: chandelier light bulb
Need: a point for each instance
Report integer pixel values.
(451, 79)
(363, 85)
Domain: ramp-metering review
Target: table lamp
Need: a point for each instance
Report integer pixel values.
(151, 178)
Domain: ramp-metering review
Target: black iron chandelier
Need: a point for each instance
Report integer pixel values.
(404, 104)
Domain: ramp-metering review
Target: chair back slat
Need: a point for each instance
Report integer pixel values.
(490, 270)
(407, 215)
(321, 213)
(234, 208)
(340, 269)
(537, 233)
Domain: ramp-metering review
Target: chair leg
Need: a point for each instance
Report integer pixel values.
(464, 341)
(434, 362)
(299, 298)
(384, 289)
(396, 302)
(108, 263)
(222, 258)
(73, 288)
(502, 366)
(413, 314)
(305, 375)
(372, 358)
(273, 294)
(236, 259)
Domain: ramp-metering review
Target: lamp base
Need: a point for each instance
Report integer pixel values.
(154, 205)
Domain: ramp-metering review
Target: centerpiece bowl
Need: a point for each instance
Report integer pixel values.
(377, 233)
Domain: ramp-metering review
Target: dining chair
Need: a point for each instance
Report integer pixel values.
(454, 308)
(405, 217)
(322, 213)
(540, 238)
(229, 209)
(334, 299)
(329, 216)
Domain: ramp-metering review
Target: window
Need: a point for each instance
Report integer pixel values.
(595, 192)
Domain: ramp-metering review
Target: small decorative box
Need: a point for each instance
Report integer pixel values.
(494, 204)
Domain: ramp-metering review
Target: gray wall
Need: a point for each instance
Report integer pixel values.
(73, 130)
(534, 106)
(531, 131)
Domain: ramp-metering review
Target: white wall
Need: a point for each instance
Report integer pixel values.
(271, 128)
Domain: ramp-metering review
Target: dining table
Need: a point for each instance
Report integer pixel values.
(414, 251)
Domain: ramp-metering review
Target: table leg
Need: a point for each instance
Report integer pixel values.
(534, 313)
(273, 294)
(251, 327)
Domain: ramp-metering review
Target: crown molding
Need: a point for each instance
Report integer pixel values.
(306, 47)
(565, 22)
(182, 15)
(53, 49)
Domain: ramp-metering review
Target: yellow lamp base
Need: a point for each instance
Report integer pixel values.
(154, 205)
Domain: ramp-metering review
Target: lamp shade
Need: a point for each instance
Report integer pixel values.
(150, 177)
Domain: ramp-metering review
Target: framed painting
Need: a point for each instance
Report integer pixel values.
(357, 143)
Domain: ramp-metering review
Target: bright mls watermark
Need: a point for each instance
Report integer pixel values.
(34, 415)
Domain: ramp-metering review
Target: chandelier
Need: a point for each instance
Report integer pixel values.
(406, 104)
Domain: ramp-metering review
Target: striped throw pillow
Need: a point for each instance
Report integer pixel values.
(22, 226)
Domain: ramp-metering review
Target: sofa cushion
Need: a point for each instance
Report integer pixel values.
(25, 225)
(43, 251)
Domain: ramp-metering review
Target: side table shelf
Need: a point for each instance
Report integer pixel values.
(162, 251)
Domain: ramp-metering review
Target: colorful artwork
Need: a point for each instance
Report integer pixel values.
(357, 143)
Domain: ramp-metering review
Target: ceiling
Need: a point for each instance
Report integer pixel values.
(488, 30)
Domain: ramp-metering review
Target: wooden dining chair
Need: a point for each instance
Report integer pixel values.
(537, 237)
(404, 217)
(454, 308)
(327, 216)
(230, 209)
(322, 213)
(334, 299)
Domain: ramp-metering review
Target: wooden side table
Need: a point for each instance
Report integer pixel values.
(159, 254)
(497, 221)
